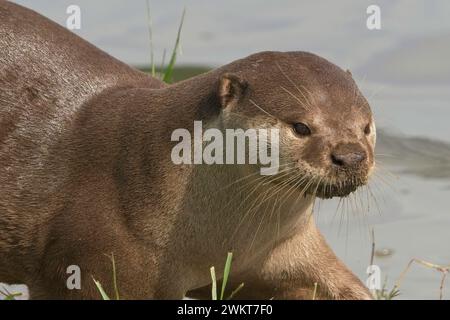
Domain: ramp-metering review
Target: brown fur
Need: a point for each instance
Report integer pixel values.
(85, 170)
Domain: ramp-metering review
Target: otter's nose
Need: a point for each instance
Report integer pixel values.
(348, 156)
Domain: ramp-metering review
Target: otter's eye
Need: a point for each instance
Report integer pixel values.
(301, 129)
(367, 129)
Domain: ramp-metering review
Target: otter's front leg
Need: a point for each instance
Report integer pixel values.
(295, 265)
(292, 268)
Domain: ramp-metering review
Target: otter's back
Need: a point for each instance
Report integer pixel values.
(47, 73)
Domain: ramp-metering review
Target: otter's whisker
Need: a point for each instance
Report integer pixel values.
(367, 198)
(386, 155)
(384, 181)
(375, 199)
(287, 182)
(295, 97)
(337, 211)
(259, 182)
(361, 193)
(294, 187)
(347, 227)
(285, 167)
(309, 93)
(345, 216)
(375, 183)
(263, 214)
(293, 83)
(319, 180)
(254, 103)
(381, 167)
(239, 192)
(360, 214)
(258, 173)
(241, 220)
(375, 92)
(252, 206)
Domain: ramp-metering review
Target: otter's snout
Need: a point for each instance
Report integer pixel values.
(348, 156)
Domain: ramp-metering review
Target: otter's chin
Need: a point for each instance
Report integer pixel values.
(329, 187)
(332, 192)
(341, 190)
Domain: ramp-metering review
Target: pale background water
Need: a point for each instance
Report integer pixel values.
(403, 69)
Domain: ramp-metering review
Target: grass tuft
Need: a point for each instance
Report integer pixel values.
(165, 73)
(314, 295)
(103, 293)
(444, 270)
(101, 290)
(8, 295)
(226, 274)
(169, 70)
(213, 284)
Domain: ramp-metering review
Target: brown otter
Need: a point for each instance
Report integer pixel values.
(86, 170)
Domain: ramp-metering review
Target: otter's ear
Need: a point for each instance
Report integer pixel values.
(231, 89)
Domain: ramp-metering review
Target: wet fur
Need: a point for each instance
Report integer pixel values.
(85, 171)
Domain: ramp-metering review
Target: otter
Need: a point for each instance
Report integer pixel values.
(86, 171)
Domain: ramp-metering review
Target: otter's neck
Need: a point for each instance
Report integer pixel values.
(242, 211)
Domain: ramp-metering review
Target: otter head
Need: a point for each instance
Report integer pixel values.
(326, 129)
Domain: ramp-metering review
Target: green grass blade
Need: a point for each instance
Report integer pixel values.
(116, 289)
(100, 289)
(8, 295)
(315, 291)
(150, 36)
(163, 61)
(169, 70)
(12, 296)
(213, 284)
(235, 291)
(226, 272)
